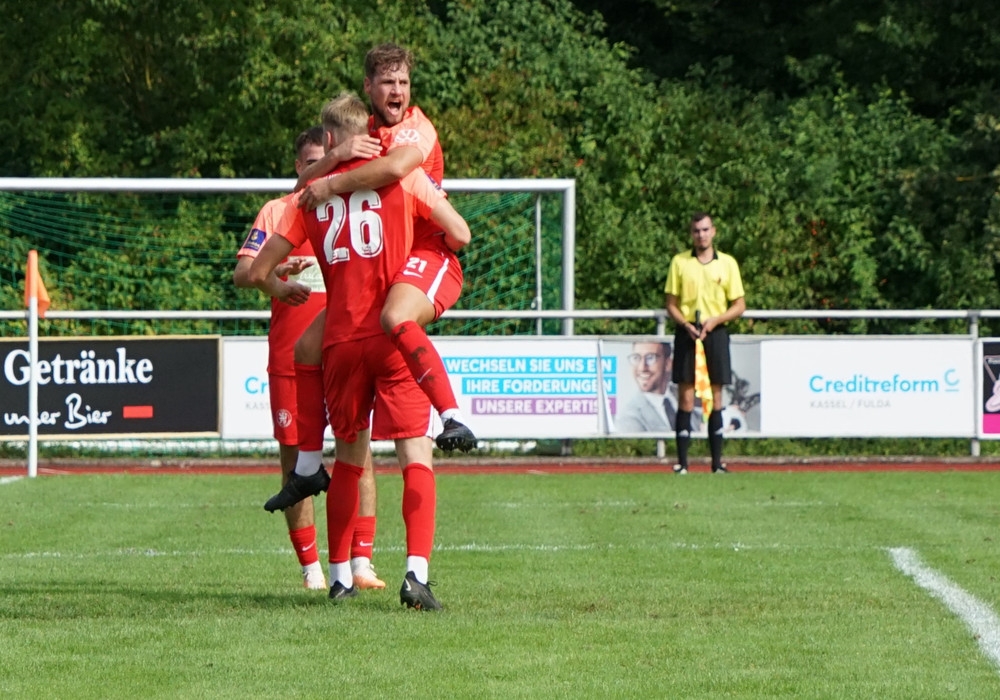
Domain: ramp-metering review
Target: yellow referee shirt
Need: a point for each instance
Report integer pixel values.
(708, 288)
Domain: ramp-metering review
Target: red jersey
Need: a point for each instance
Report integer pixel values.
(287, 322)
(416, 130)
(364, 238)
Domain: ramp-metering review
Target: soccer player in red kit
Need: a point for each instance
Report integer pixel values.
(430, 280)
(364, 238)
(287, 325)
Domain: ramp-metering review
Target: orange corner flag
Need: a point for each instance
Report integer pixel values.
(33, 285)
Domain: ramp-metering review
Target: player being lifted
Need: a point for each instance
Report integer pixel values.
(365, 237)
(426, 285)
(430, 281)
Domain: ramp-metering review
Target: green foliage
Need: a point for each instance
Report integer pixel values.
(895, 105)
(194, 89)
(849, 150)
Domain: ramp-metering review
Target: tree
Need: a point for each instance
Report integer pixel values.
(194, 89)
(848, 149)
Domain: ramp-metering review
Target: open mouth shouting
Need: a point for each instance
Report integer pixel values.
(390, 95)
(394, 109)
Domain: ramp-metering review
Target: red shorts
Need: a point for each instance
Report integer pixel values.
(360, 376)
(437, 273)
(283, 409)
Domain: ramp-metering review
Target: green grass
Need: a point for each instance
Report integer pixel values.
(753, 585)
(834, 448)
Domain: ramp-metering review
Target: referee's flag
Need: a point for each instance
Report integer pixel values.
(702, 384)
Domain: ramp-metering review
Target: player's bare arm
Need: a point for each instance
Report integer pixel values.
(262, 273)
(292, 266)
(456, 230)
(392, 167)
(354, 146)
(241, 273)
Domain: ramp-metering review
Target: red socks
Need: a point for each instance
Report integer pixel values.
(304, 542)
(364, 536)
(310, 406)
(419, 504)
(425, 364)
(342, 509)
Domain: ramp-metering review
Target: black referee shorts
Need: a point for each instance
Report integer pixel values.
(716, 357)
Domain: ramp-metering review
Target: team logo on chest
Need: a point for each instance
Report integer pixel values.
(407, 136)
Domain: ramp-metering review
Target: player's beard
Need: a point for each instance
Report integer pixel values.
(383, 118)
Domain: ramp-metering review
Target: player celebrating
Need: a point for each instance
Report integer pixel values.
(291, 409)
(430, 281)
(287, 323)
(366, 236)
(428, 284)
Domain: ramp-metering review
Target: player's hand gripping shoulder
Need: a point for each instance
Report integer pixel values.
(356, 146)
(317, 192)
(382, 171)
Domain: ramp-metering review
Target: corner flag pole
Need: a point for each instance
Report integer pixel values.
(36, 298)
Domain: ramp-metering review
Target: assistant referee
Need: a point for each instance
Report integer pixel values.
(704, 292)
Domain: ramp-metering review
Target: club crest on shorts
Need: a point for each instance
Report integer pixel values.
(283, 417)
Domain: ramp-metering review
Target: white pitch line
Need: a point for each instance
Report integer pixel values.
(468, 547)
(150, 552)
(9, 479)
(977, 615)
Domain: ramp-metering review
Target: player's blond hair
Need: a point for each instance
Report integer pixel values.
(345, 115)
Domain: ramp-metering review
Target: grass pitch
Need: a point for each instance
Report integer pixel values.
(632, 585)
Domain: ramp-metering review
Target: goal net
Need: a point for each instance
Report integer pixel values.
(164, 250)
